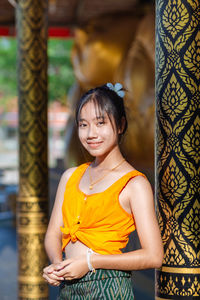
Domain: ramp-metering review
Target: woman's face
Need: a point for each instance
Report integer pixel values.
(96, 133)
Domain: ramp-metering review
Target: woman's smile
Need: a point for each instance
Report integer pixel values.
(94, 144)
(96, 132)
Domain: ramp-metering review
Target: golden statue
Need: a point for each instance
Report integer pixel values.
(106, 50)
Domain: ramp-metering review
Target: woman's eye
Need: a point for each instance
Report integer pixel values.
(100, 123)
(82, 124)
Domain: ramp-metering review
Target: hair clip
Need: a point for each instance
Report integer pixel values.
(117, 88)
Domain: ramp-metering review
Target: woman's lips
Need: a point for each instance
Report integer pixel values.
(94, 144)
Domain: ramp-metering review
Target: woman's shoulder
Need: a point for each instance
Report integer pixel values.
(67, 173)
(139, 185)
(132, 171)
(138, 180)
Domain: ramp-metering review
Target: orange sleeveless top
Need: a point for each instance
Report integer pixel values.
(97, 220)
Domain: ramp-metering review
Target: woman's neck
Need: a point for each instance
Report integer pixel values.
(109, 160)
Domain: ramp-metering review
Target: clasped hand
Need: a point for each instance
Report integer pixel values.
(68, 269)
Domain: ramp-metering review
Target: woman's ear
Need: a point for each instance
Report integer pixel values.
(121, 129)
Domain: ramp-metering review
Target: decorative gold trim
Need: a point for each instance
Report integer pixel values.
(32, 279)
(31, 199)
(33, 296)
(158, 298)
(181, 270)
(32, 230)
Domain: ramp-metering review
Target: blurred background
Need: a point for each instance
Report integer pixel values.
(90, 43)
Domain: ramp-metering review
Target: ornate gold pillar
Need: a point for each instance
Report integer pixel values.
(31, 16)
(178, 147)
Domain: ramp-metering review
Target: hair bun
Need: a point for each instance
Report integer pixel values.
(117, 88)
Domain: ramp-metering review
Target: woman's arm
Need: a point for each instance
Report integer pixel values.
(139, 199)
(141, 202)
(53, 237)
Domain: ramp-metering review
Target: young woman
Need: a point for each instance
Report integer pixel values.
(97, 206)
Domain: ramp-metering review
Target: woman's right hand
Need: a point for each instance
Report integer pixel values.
(50, 277)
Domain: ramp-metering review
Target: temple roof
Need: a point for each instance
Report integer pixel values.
(71, 12)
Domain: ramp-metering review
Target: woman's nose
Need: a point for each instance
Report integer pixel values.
(92, 132)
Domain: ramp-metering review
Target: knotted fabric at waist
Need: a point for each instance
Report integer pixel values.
(71, 232)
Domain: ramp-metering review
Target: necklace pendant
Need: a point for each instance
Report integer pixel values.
(90, 187)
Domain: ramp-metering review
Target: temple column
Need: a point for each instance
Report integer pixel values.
(178, 147)
(32, 206)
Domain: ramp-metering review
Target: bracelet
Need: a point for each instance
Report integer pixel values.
(90, 267)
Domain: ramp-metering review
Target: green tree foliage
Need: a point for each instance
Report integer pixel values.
(8, 76)
(61, 76)
(60, 73)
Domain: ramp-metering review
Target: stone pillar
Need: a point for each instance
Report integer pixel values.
(178, 147)
(32, 207)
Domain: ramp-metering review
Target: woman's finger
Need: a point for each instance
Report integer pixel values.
(62, 264)
(55, 276)
(48, 269)
(62, 273)
(49, 280)
(52, 277)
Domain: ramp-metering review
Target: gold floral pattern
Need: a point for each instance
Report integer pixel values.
(192, 57)
(191, 141)
(174, 99)
(177, 286)
(33, 187)
(173, 182)
(191, 224)
(175, 17)
(172, 255)
(178, 147)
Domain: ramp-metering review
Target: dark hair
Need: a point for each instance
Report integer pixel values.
(107, 101)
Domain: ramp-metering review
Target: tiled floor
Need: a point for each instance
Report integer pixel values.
(8, 262)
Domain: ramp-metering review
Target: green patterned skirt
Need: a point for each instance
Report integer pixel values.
(101, 285)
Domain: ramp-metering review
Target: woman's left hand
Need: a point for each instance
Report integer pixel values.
(72, 268)
(50, 277)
